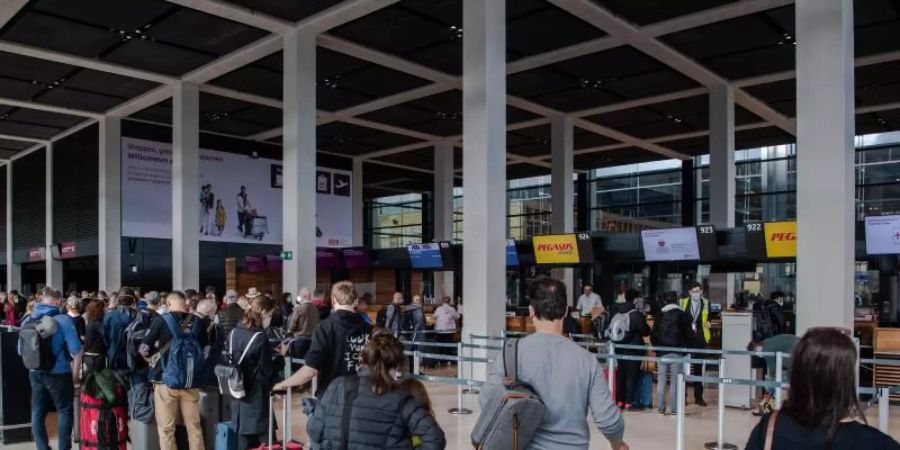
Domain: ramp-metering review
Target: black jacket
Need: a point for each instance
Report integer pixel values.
(250, 414)
(377, 422)
(776, 313)
(679, 335)
(336, 345)
(789, 434)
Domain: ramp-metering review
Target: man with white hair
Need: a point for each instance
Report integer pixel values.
(56, 385)
(229, 316)
(302, 323)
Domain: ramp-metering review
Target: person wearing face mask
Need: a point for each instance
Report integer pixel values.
(697, 308)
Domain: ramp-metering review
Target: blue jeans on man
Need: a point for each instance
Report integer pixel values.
(52, 389)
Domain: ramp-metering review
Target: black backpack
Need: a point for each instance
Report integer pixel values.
(763, 327)
(134, 334)
(37, 353)
(668, 329)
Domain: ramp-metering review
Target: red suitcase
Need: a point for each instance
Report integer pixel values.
(99, 421)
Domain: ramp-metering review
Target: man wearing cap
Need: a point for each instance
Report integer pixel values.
(114, 324)
(229, 316)
(55, 387)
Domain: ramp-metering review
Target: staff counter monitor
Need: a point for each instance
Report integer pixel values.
(425, 256)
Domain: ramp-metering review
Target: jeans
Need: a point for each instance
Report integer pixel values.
(626, 380)
(663, 371)
(58, 390)
(168, 403)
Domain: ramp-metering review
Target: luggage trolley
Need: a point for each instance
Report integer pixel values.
(259, 227)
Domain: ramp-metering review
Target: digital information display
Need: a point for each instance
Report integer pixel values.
(563, 249)
(327, 259)
(672, 244)
(425, 256)
(512, 256)
(709, 246)
(357, 258)
(883, 235)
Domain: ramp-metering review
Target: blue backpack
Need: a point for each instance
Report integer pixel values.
(185, 357)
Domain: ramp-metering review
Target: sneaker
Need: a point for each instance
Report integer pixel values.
(700, 402)
(661, 411)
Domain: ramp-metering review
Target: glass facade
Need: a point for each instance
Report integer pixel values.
(633, 197)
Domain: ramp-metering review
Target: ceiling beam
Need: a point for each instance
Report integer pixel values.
(686, 22)
(86, 63)
(601, 18)
(48, 108)
(9, 9)
(235, 60)
(341, 13)
(10, 137)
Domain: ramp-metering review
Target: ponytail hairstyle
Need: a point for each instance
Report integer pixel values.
(383, 355)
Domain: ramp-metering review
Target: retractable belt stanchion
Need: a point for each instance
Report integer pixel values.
(884, 405)
(779, 377)
(459, 410)
(611, 368)
(286, 419)
(470, 389)
(679, 434)
(720, 443)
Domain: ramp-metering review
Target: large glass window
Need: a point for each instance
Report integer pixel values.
(396, 220)
(635, 197)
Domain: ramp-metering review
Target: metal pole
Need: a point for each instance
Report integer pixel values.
(459, 410)
(679, 434)
(779, 378)
(721, 402)
(417, 363)
(884, 409)
(286, 419)
(611, 369)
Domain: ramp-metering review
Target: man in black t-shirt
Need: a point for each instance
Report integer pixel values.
(336, 343)
(169, 401)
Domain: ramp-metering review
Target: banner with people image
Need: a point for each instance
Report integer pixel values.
(238, 197)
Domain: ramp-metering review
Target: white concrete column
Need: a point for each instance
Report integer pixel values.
(484, 167)
(562, 189)
(359, 210)
(299, 194)
(52, 266)
(185, 186)
(825, 170)
(13, 271)
(443, 210)
(722, 178)
(109, 211)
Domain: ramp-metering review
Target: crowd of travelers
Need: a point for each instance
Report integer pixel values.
(149, 359)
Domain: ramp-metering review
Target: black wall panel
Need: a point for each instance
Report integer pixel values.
(29, 191)
(75, 184)
(3, 172)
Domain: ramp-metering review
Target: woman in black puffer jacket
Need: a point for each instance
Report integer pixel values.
(382, 415)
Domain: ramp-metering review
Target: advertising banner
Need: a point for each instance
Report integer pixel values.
(556, 249)
(238, 197)
(781, 239)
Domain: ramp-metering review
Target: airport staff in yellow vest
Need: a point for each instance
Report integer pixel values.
(698, 308)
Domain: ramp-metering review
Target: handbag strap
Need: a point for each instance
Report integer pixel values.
(351, 389)
(247, 348)
(770, 430)
(511, 359)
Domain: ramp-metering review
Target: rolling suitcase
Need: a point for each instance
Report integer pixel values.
(226, 438)
(143, 436)
(275, 445)
(643, 391)
(214, 410)
(101, 423)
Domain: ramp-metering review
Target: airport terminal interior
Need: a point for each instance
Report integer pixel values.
(456, 152)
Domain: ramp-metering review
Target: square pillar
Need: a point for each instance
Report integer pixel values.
(825, 169)
(109, 210)
(722, 178)
(13, 271)
(185, 186)
(53, 266)
(356, 198)
(443, 211)
(484, 168)
(299, 193)
(562, 188)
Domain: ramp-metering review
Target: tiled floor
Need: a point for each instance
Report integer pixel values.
(644, 430)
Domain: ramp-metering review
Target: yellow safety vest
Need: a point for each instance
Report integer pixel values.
(704, 314)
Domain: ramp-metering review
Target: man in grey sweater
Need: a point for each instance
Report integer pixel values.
(567, 378)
